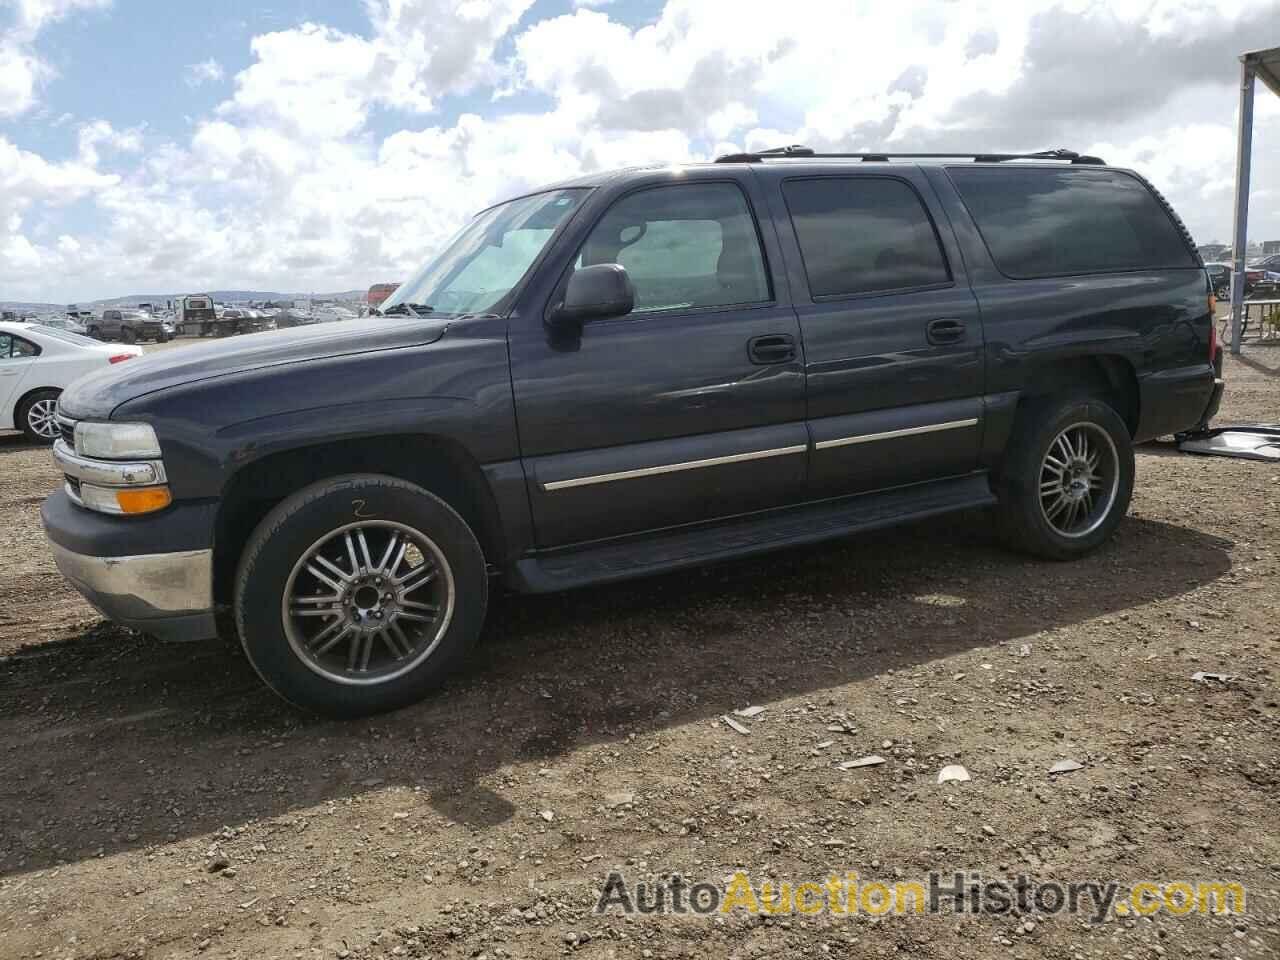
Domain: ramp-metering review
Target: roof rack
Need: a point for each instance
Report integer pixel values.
(798, 151)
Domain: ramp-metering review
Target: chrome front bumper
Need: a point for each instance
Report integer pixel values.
(167, 594)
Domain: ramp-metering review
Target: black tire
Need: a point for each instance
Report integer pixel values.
(127, 335)
(94, 333)
(291, 530)
(35, 402)
(162, 338)
(1022, 516)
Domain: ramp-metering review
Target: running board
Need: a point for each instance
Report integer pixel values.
(690, 546)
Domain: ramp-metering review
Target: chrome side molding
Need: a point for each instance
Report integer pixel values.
(890, 434)
(674, 467)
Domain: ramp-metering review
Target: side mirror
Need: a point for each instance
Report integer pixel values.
(596, 293)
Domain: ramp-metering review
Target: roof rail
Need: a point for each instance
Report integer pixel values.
(799, 151)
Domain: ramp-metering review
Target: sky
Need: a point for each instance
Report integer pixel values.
(161, 146)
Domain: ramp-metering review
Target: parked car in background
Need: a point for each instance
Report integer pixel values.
(286, 319)
(64, 323)
(704, 361)
(1270, 264)
(37, 363)
(332, 313)
(245, 320)
(1220, 277)
(130, 326)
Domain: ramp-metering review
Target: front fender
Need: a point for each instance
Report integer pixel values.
(458, 389)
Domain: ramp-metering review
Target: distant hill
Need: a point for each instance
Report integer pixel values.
(223, 296)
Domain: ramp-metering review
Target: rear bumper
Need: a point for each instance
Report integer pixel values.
(152, 574)
(1176, 400)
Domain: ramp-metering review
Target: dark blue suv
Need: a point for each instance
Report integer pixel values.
(635, 372)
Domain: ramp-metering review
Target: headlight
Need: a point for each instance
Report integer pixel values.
(116, 441)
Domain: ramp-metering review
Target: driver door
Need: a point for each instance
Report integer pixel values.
(690, 407)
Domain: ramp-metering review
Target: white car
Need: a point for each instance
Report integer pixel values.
(36, 364)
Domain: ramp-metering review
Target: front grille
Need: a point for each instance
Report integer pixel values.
(67, 428)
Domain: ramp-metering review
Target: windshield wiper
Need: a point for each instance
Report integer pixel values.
(409, 308)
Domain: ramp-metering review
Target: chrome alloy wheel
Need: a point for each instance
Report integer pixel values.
(368, 602)
(42, 420)
(1079, 479)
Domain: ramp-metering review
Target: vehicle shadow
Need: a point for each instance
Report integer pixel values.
(16, 442)
(155, 743)
(1256, 365)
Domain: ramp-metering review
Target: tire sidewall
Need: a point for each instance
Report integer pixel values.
(293, 527)
(1022, 481)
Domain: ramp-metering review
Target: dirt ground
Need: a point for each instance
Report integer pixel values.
(157, 801)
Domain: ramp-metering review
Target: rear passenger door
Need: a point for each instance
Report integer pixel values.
(892, 336)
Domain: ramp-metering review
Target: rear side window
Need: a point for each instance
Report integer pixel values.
(11, 346)
(1044, 223)
(684, 247)
(863, 235)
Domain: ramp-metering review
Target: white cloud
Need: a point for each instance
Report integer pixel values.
(206, 71)
(100, 133)
(30, 16)
(20, 75)
(22, 72)
(286, 186)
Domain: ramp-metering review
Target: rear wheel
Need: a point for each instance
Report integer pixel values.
(128, 335)
(359, 594)
(1067, 478)
(36, 416)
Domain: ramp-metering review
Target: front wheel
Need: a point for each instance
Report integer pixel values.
(1067, 478)
(128, 335)
(359, 594)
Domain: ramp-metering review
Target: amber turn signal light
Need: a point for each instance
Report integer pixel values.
(143, 499)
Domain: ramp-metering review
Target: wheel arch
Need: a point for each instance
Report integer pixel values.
(1111, 376)
(438, 464)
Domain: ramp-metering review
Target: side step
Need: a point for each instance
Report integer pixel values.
(702, 543)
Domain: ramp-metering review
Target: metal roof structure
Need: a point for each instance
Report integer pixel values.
(1261, 65)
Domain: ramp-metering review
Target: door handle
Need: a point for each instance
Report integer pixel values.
(945, 331)
(774, 348)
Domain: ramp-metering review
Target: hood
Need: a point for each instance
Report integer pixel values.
(96, 395)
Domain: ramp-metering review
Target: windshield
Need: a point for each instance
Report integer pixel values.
(481, 266)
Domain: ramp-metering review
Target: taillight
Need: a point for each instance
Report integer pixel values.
(120, 358)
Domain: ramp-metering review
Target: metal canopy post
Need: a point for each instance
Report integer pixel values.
(1240, 236)
(1265, 66)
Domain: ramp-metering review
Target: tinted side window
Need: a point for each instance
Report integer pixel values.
(1041, 223)
(24, 348)
(862, 235)
(687, 246)
(6, 346)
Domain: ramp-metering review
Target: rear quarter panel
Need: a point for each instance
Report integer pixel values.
(1157, 321)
